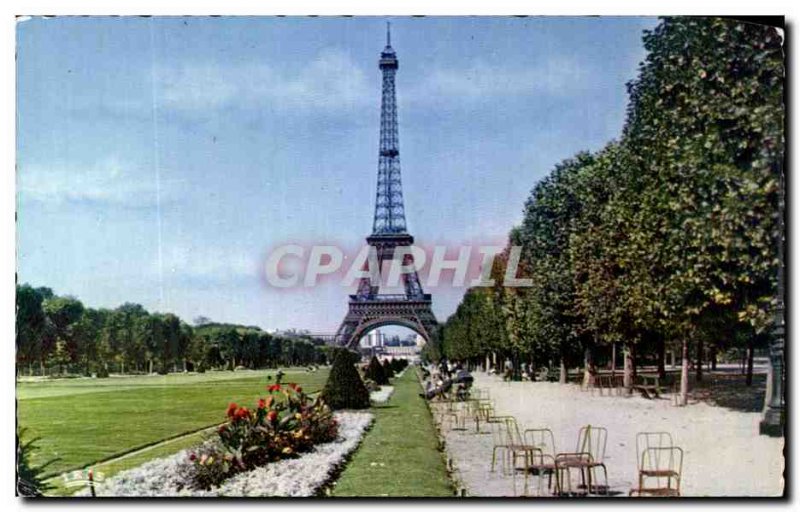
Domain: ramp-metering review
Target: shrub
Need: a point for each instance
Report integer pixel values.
(376, 373)
(275, 429)
(388, 369)
(344, 388)
(397, 366)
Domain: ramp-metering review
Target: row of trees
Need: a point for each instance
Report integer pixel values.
(58, 335)
(666, 239)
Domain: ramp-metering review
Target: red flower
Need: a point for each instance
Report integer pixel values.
(293, 385)
(272, 415)
(262, 404)
(192, 457)
(274, 387)
(242, 413)
(231, 410)
(298, 389)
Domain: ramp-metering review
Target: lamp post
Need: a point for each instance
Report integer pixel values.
(774, 413)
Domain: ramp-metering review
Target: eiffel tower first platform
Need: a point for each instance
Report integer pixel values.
(368, 309)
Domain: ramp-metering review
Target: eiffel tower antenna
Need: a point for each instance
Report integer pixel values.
(388, 33)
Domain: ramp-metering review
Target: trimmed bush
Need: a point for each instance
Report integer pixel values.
(376, 372)
(388, 369)
(344, 388)
(399, 364)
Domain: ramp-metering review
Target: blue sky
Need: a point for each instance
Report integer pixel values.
(158, 159)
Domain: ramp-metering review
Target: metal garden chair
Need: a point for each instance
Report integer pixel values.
(593, 440)
(544, 457)
(665, 465)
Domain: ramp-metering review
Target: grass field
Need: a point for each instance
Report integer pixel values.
(399, 456)
(81, 421)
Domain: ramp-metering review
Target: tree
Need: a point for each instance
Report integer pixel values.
(705, 128)
(668, 236)
(31, 324)
(64, 312)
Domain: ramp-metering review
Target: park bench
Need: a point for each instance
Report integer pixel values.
(649, 386)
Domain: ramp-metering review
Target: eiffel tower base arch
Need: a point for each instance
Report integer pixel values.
(363, 315)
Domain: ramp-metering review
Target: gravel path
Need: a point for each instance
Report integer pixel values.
(723, 453)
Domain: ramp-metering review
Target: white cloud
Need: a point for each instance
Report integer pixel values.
(332, 80)
(481, 79)
(106, 181)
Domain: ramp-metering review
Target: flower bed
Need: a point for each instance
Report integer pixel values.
(297, 477)
(382, 395)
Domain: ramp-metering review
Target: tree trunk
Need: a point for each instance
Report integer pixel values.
(714, 358)
(150, 367)
(613, 359)
(662, 371)
(487, 364)
(750, 349)
(634, 363)
(588, 367)
(684, 396)
(699, 361)
(627, 375)
(562, 373)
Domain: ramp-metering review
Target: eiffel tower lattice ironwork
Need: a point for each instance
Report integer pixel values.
(368, 308)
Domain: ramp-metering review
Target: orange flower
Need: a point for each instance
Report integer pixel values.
(274, 387)
(272, 415)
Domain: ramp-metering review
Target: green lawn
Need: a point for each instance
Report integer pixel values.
(81, 421)
(399, 456)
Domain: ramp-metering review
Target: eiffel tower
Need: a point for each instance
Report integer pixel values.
(368, 308)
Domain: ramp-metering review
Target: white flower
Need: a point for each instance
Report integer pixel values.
(382, 395)
(298, 477)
